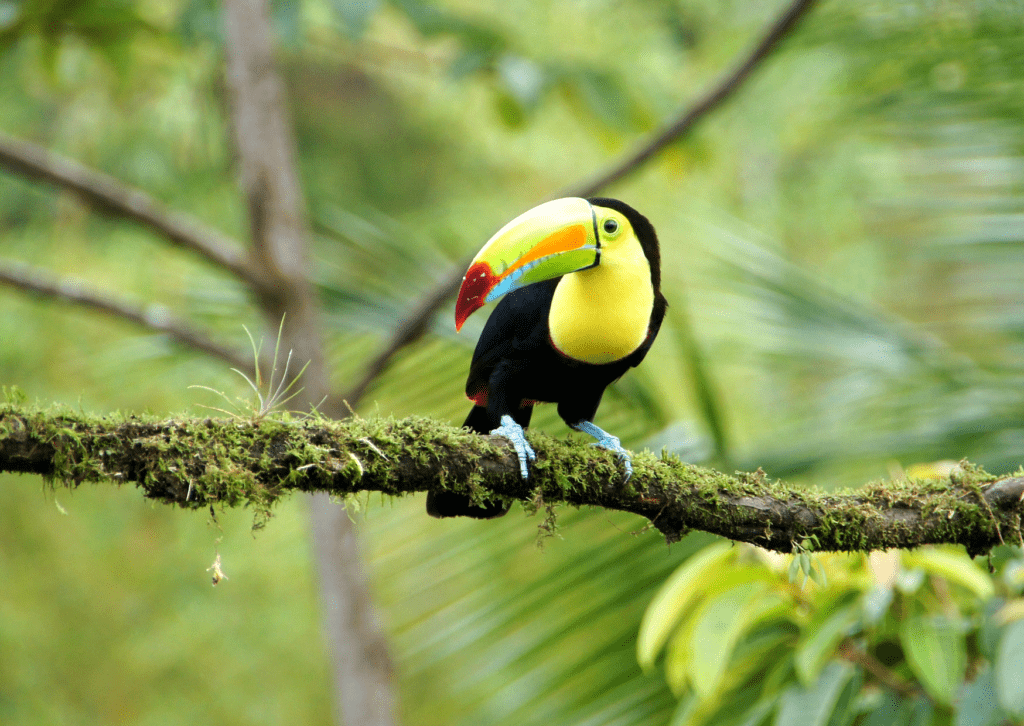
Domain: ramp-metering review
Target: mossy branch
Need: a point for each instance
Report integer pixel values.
(202, 462)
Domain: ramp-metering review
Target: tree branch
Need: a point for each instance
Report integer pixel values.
(407, 332)
(849, 652)
(199, 462)
(154, 317)
(113, 197)
(689, 116)
(417, 322)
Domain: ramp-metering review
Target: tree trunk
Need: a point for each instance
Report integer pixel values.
(269, 180)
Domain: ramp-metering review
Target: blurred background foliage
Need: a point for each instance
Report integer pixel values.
(842, 253)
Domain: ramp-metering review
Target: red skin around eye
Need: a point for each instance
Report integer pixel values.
(479, 280)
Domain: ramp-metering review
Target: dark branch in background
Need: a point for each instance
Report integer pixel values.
(406, 333)
(154, 317)
(199, 462)
(851, 653)
(690, 116)
(417, 322)
(117, 198)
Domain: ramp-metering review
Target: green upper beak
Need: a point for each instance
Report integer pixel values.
(550, 240)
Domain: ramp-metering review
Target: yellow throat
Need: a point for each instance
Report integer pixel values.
(601, 314)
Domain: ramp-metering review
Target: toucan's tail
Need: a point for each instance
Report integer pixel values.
(453, 504)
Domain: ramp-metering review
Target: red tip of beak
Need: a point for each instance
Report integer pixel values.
(479, 281)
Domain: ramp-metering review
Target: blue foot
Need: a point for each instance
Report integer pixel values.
(512, 431)
(606, 441)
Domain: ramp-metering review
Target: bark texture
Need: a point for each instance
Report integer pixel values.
(203, 462)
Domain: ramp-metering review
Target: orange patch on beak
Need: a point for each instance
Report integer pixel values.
(563, 240)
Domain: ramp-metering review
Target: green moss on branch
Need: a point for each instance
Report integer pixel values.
(201, 462)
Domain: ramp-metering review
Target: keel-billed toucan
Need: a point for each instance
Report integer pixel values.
(582, 304)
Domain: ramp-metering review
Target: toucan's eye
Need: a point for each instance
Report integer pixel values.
(611, 226)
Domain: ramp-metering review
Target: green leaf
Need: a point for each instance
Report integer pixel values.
(687, 711)
(818, 576)
(847, 705)
(773, 641)
(738, 708)
(523, 79)
(909, 580)
(1013, 575)
(470, 61)
(1009, 669)
(875, 603)
(936, 653)
(705, 389)
(954, 566)
(891, 711)
(978, 705)
(820, 645)
(757, 713)
(794, 569)
(287, 18)
(991, 628)
(1011, 611)
(604, 95)
(675, 597)
(922, 712)
(812, 706)
(684, 646)
(718, 629)
(431, 21)
(101, 21)
(510, 110)
(355, 15)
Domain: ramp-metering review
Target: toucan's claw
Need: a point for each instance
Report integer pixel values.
(606, 441)
(512, 431)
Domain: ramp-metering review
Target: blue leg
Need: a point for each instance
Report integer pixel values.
(512, 431)
(606, 441)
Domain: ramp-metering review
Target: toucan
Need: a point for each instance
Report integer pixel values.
(580, 282)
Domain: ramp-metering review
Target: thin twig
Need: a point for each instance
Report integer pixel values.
(888, 678)
(154, 317)
(114, 197)
(417, 322)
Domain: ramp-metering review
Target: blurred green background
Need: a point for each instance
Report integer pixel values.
(842, 253)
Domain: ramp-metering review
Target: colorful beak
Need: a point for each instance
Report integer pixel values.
(550, 240)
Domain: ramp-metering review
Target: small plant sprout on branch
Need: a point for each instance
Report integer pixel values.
(274, 397)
